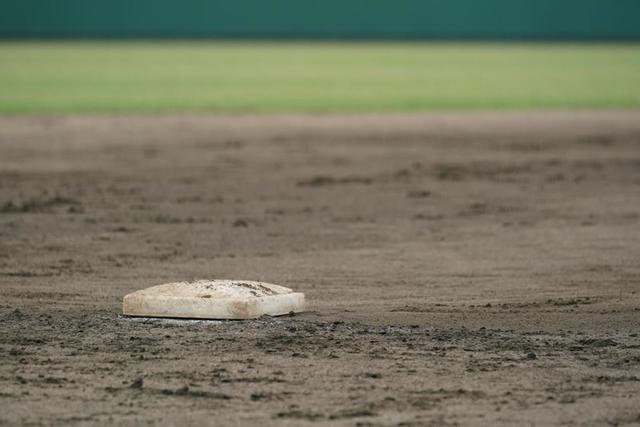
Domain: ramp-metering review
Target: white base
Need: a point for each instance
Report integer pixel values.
(214, 299)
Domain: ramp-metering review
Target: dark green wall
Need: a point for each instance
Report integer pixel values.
(442, 19)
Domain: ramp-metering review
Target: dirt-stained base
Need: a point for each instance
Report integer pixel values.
(461, 269)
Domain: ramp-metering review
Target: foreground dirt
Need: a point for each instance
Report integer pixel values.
(462, 269)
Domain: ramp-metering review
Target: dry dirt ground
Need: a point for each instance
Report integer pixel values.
(461, 269)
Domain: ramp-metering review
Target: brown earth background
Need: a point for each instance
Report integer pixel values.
(461, 269)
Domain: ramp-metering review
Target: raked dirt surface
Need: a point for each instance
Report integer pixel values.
(460, 269)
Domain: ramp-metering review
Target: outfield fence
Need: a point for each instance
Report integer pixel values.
(323, 19)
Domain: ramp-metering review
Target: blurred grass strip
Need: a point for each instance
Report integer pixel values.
(83, 77)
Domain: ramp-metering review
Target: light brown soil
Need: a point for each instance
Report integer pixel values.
(462, 269)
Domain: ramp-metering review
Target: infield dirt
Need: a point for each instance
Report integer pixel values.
(461, 269)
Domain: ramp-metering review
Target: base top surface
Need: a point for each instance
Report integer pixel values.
(217, 289)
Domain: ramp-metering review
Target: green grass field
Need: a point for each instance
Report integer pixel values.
(63, 77)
